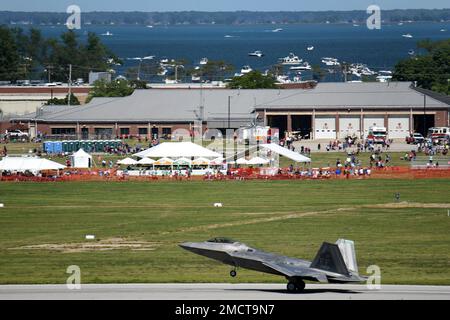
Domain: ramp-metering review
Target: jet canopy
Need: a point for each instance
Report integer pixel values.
(222, 240)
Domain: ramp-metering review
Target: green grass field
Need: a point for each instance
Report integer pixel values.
(138, 226)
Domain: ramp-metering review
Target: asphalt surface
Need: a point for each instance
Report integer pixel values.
(221, 292)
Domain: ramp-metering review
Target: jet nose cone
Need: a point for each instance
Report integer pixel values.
(186, 245)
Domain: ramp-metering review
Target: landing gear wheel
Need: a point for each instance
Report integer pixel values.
(233, 273)
(300, 285)
(291, 287)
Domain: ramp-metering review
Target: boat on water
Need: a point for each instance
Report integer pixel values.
(277, 30)
(291, 59)
(411, 52)
(204, 61)
(246, 69)
(148, 58)
(107, 34)
(331, 62)
(310, 48)
(359, 70)
(407, 35)
(196, 79)
(258, 54)
(384, 76)
(304, 66)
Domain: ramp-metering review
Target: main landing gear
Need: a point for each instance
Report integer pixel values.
(295, 285)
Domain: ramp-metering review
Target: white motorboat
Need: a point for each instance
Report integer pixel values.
(304, 66)
(148, 58)
(330, 61)
(107, 34)
(310, 48)
(246, 69)
(277, 30)
(291, 59)
(204, 61)
(408, 35)
(257, 53)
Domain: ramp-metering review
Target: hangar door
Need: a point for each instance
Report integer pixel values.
(325, 127)
(372, 121)
(398, 127)
(349, 126)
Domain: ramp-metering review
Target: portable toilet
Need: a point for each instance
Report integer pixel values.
(65, 146)
(58, 147)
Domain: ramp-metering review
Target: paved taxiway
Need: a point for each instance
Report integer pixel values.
(221, 292)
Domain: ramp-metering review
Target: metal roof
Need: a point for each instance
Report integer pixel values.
(183, 105)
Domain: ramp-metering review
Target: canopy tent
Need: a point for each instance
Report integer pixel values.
(257, 161)
(33, 164)
(201, 162)
(241, 161)
(177, 150)
(182, 162)
(297, 157)
(164, 162)
(127, 162)
(81, 159)
(146, 161)
(217, 162)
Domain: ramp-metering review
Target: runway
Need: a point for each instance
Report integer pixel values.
(221, 292)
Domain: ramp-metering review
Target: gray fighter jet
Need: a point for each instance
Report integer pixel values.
(334, 263)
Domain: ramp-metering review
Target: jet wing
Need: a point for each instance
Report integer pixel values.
(296, 271)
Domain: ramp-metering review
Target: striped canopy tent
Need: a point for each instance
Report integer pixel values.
(182, 162)
(164, 162)
(201, 162)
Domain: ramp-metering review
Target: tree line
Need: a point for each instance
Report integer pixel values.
(228, 18)
(28, 55)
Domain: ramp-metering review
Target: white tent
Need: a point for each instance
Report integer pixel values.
(297, 157)
(217, 162)
(81, 159)
(33, 164)
(146, 161)
(257, 161)
(241, 161)
(177, 150)
(164, 162)
(182, 162)
(127, 162)
(201, 162)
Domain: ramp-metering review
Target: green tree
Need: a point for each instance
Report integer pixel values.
(253, 80)
(431, 70)
(61, 102)
(9, 56)
(214, 70)
(118, 88)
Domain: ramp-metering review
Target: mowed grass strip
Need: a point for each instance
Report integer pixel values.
(409, 240)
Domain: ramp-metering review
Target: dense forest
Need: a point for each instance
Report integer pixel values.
(228, 18)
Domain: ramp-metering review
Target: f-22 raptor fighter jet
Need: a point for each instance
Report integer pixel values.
(334, 263)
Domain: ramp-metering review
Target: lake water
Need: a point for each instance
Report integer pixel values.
(379, 49)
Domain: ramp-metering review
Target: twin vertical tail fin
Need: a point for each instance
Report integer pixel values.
(338, 258)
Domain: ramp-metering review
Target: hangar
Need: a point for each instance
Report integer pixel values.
(328, 111)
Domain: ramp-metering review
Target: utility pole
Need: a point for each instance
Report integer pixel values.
(425, 115)
(229, 112)
(70, 85)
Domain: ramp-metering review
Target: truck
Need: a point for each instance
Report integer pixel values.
(377, 135)
(439, 134)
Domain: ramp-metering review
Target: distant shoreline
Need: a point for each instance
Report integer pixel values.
(123, 18)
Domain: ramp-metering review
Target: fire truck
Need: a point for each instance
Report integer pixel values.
(377, 135)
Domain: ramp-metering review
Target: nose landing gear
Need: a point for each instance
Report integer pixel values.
(233, 273)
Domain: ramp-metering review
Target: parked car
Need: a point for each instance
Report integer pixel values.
(415, 138)
(17, 134)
